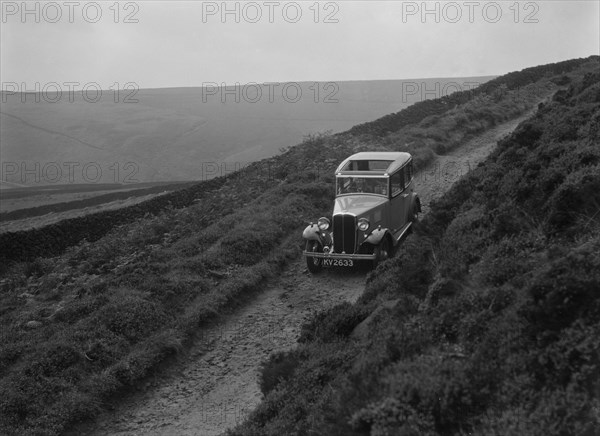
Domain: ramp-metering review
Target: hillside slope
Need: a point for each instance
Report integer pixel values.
(175, 133)
(423, 129)
(487, 321)
(126, 289)
(216, 384)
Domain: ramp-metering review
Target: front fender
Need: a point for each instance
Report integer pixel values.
(376, 236)
(312, 233)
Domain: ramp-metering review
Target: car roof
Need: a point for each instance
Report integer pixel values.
(396, 158)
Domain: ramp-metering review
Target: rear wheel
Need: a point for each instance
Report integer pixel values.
(382, 251)
(314, 264)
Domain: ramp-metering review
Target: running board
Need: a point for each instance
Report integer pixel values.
(401, 233)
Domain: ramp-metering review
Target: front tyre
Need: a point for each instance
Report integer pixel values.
(314, 264)
(382, 252)
(416, 208)
(415, 216)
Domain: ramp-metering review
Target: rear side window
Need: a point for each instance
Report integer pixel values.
(397, 181)
(408, 173)
(367, 165)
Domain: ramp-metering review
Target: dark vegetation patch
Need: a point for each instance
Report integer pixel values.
(495, 323)
(127, 288)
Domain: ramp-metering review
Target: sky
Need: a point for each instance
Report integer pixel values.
(155, 44)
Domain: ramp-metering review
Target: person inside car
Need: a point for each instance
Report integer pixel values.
(357, 184)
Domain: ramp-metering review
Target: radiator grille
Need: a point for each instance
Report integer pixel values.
(344, 233)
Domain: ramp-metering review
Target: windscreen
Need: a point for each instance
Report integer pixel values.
(362, 185)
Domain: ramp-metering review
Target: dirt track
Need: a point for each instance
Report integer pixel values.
(214, 385)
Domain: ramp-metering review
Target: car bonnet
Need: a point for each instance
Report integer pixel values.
(357, 204)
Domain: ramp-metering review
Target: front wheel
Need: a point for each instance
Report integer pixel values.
(382, 251)
(314, 264)
(416, 208)
(415, 216)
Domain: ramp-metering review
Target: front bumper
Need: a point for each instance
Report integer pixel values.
(339, 255)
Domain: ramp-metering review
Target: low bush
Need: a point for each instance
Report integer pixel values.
(335, 323)
(279, 367)
(409, 272)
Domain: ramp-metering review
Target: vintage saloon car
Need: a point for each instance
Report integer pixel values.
(375, 206)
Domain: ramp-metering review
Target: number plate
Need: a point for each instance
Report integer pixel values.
(338, 262)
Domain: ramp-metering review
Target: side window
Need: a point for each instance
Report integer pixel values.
(408, 172)
(397, 181)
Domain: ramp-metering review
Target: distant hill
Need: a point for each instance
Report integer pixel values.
(180, 133)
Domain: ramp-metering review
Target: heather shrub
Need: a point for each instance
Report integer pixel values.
(578, 197)
(422, 397)
(567, 289)
(391, 416)
(463, 242)
(246, 247)
(509, 259)
(407, 273)
(279, 367)
(335, 323)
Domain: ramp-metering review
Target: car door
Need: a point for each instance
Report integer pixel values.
(400, 199)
